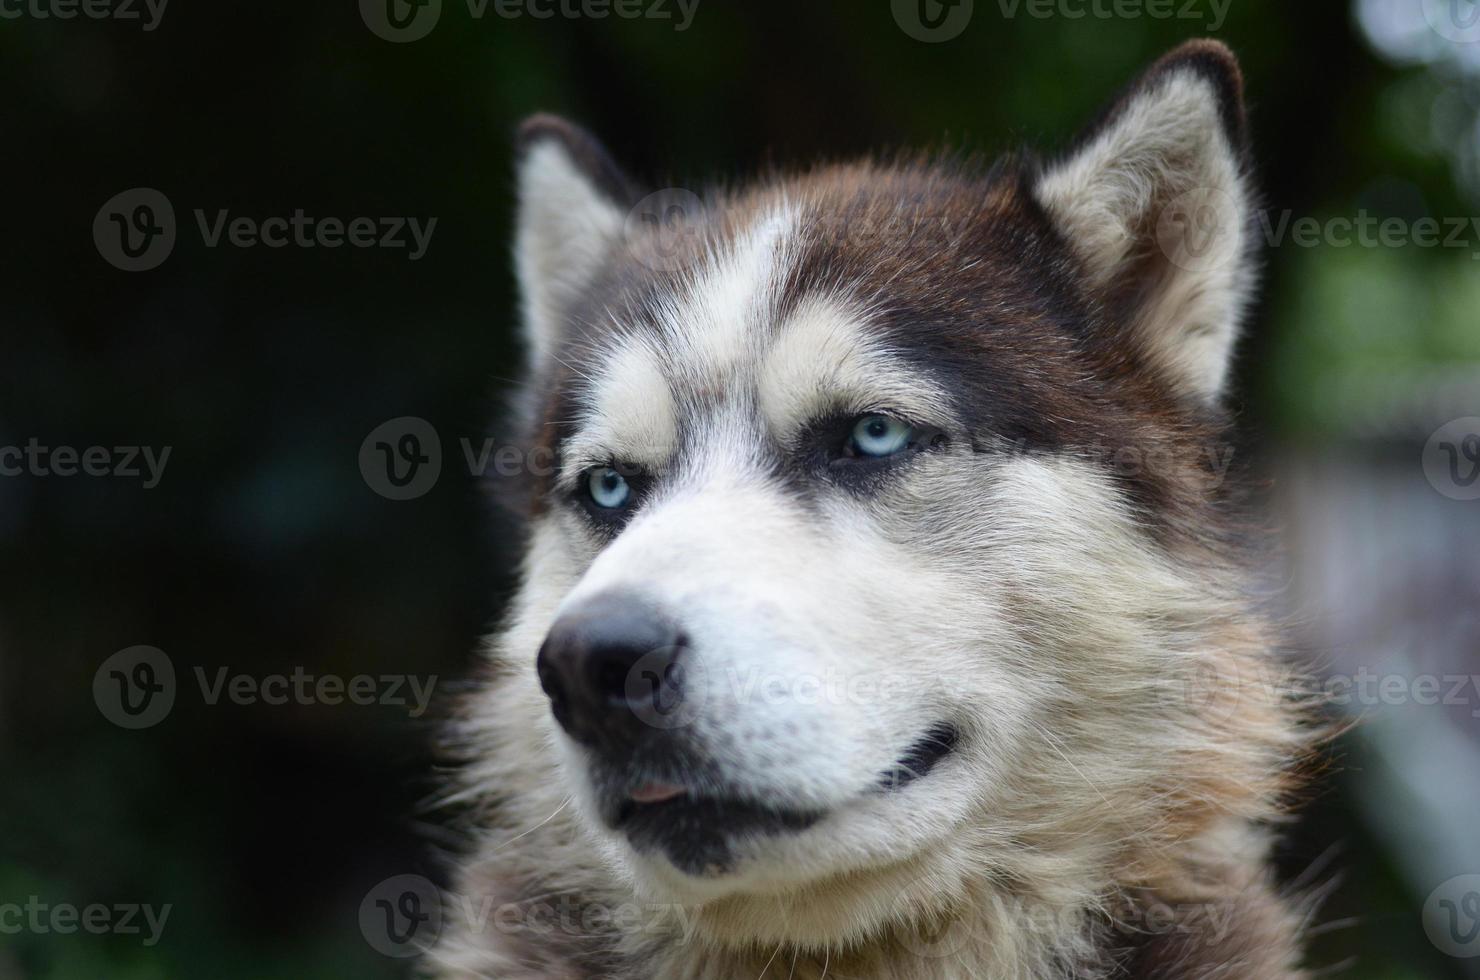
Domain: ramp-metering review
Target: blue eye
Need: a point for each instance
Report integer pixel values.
(608, 488)
(880, 435)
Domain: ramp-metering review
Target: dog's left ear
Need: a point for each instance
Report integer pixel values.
(1155, 202)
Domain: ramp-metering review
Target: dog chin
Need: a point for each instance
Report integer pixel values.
(739, 908)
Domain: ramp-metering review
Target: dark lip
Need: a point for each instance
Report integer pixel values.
(695, 833)
(939, 741)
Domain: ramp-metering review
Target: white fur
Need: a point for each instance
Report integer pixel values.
(632, 416)
(1164, 162)
(566, 227)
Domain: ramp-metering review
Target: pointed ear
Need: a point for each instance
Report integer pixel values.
(1155, 202)
(573, 200)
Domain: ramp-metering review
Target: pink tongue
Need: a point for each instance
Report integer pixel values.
(656, 792)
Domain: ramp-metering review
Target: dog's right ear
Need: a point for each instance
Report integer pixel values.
(573, 200)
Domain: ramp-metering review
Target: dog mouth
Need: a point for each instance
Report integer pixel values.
(928, 751)
(696, 832)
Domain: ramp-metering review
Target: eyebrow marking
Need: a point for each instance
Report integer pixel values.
(631, 415)
(708, 336)
(824, 360)
(714, 325)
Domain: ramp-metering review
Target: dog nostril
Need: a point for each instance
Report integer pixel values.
(552, 684)
(613, 677)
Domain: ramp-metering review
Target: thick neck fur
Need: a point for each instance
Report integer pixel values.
(1216, 922)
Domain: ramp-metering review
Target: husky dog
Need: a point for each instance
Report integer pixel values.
(885, 610)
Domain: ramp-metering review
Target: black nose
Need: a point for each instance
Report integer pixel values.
(611, 670)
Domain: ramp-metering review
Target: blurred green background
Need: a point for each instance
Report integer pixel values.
(263, 549)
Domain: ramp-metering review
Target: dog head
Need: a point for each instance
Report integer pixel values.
(885, 531)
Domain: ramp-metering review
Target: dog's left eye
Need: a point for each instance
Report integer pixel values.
(879, 436)
(609, 489)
